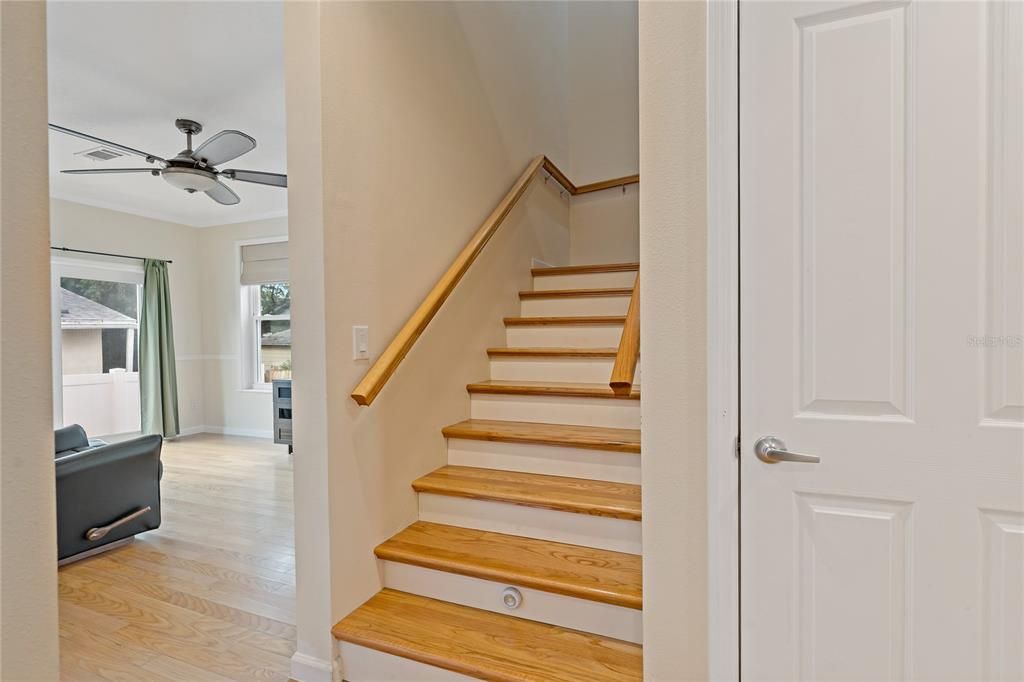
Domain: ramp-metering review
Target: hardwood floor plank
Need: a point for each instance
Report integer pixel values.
(583, 572)
(564, 435)
(584, 269)
(207, 597)
(575, 293)
(487, 645)
(576, 495)
(551, 388)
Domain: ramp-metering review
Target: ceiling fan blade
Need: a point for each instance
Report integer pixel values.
(259, 177)
(107, 143)
(222, 194)
(102, 171)
(224, 146)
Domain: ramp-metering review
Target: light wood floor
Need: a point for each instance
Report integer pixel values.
(210, 594)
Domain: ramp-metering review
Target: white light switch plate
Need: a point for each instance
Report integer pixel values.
(360, 342)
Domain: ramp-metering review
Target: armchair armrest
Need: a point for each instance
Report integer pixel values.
(99, 487)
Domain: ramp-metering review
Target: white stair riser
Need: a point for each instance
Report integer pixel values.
(596, 280)
(619, 535)
(598, 465)
(568, 369)
(569, 307)
(362, 664)
(610, 412)
(589, 370)
(608, 620)
(556, 336)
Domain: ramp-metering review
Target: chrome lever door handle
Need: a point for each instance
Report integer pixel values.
(771, 450)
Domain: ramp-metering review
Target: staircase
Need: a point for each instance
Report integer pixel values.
(525, 562)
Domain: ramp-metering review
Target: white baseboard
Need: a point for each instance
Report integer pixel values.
(306, 668)
(228, 431)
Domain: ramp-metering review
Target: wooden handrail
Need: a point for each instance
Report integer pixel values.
(388, 362)
(564, 181)
(624, 369)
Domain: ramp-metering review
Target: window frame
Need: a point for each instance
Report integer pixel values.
(103, 268)
(250, 377)
(256, 318)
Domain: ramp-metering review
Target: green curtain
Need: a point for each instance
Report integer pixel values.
(158, 377)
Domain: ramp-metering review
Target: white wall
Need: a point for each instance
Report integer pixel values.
(673, 309)
(411, 156)
(99, 229)
(28, 527)
(230, 408)
(603, 125)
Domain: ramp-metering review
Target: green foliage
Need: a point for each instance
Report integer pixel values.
(275, 299)
(116, 295)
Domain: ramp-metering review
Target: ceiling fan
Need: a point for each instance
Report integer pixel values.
(193, 170)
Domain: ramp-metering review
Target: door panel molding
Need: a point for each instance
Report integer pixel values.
(1002, 295)
(855, 354)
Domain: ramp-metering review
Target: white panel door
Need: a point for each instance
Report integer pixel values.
(882, 309)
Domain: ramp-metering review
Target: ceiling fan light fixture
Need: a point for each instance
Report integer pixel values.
(190, 179)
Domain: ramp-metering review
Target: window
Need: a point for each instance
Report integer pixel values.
(271, 332)
(96, 307)
(266, 314)
(98, 321)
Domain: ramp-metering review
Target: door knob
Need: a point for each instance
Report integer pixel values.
(771, 450)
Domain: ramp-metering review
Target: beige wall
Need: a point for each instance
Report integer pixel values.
(314, 520)
(81, 351)
(230, 407)
(421, 159)
(603, 125)
(606, 226)
(28, 566)
(79, 226)
(603, 115)
(673, 341)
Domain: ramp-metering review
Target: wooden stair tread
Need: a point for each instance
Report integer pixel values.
(552, 352)
(566, 435)
(576, 293)
(486, 645)
(584, 269)
(584, 572)
(551, 388)
(565, 321)
(560, 493)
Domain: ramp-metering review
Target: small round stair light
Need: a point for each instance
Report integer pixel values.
(511, 598)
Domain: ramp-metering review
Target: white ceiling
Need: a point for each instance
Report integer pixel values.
(123, 71)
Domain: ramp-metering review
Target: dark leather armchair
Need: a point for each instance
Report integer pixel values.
(105, 493)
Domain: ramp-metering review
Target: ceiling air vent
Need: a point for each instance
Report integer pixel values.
(100, 154)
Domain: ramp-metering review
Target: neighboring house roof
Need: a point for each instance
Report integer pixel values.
(281, 338)
(79, 312)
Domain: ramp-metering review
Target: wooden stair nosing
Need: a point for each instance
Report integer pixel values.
(566, 321)
(560, 435)
(551, 352)
(486, 645)
(553, 389)
(582, 572)
(576, 293)
(584, 269)
(558, 493)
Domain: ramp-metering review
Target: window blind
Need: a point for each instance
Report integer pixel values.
(265, 263)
